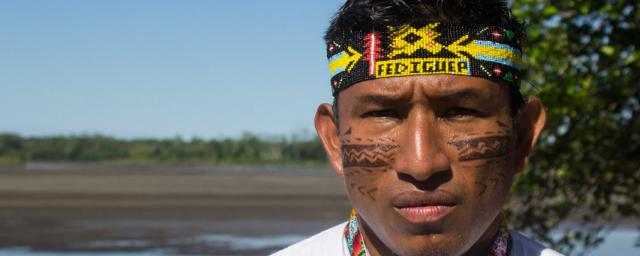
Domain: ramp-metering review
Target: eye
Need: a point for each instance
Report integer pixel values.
(461, 113)
(382, 113)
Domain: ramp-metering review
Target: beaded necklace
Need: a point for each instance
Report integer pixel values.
(355, 242)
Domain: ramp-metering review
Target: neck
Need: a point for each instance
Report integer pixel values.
(375, 247)
(483, 245)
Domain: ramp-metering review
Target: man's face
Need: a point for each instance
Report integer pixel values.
(427, 160)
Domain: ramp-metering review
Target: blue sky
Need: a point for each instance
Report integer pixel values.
(151, 68)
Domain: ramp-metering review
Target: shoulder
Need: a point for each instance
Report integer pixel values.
(326, 243)
(523, 246)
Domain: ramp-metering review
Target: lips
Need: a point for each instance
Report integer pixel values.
(424, 207)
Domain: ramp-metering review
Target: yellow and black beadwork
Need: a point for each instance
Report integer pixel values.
(482, 51)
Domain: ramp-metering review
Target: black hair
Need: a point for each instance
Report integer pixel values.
(361, 16)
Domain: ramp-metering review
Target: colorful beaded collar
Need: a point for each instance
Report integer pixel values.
(356, 245)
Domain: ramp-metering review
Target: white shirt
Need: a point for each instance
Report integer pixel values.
(331, 243)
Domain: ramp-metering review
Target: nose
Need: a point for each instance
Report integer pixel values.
(420, 155)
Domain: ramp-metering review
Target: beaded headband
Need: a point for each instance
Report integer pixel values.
(482, 51)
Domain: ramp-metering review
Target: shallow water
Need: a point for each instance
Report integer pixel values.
(618, 242)
(224, 243)
(195, 211)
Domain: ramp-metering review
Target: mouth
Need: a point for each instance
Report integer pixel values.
(424, 207)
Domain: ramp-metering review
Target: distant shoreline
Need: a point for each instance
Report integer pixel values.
(294, 151)
(36, 166)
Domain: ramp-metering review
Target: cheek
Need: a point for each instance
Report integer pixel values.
(365, 162)
(485, 186)
(476, 150)
(489, 181)
(483, 161)
(362, 183)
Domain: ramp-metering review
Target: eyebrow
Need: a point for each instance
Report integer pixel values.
(379, 99)
(391, 96)
(459, 95)
(468, 94)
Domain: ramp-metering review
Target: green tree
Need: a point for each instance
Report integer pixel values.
(11, 149)
(582, 60)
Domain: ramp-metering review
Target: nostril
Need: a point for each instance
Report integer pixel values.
(431, 183)
(422, 170)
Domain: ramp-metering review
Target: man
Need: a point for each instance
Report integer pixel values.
(428, 128)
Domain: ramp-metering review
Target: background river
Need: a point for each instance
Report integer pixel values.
(89, 209)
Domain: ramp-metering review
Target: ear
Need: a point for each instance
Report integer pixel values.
(529, 123)
(327, 128)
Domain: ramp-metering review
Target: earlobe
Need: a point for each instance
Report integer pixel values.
(327, 129)
(529, 123)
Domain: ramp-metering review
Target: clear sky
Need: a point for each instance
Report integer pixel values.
(153, 68)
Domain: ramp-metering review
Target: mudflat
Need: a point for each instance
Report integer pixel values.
(170, 209)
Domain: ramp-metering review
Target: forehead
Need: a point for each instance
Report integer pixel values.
(431, 86)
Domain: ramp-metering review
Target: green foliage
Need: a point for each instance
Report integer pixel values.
(249, 149)
(11, 149)
(582, 57)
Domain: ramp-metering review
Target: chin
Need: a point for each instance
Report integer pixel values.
(430, 245)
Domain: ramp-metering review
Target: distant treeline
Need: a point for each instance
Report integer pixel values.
(248, 149)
